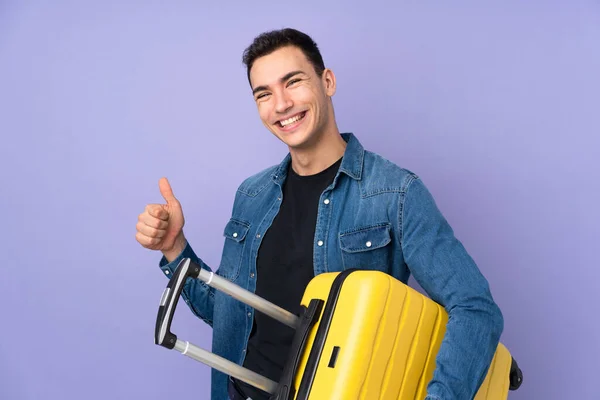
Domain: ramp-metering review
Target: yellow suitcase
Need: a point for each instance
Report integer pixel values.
(363, 335)
(377, 338)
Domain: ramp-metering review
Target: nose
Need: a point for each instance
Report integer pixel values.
(283, 102)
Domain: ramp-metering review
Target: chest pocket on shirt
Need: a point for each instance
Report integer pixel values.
(367, 247)
(235, 240)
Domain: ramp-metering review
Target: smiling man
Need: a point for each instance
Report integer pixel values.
(309, 215)
(293, 97)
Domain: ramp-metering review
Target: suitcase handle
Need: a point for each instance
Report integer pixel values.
(164, 337)
(283, 390)
(168, 302)
(188, 269)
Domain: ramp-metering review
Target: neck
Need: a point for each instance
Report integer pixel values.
(329, 148)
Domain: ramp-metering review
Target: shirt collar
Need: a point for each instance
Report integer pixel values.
(352, 162)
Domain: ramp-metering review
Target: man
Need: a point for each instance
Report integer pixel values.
(330, 205)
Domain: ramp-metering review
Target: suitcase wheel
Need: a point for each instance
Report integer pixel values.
(516, 376)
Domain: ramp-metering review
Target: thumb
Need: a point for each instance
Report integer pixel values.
(166, 191)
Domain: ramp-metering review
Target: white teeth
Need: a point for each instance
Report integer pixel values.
(291, 120)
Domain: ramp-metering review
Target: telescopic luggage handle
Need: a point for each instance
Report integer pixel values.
(188, 269)
(168, 303)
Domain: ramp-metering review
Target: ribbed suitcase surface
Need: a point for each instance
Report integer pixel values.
(377, 338)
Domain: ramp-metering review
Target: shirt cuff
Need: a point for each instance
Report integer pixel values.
(169, 268)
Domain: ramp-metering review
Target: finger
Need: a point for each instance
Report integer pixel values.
(157, 211)
(166, 191)
(145, 240)
(152, 221)
(150, 231)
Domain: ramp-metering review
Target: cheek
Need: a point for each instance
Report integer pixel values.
(264, 112)
(307, 96)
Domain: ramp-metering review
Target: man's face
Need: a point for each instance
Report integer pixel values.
(292, 100)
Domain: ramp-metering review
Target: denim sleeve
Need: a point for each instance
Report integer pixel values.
(197, 295)
(444, 269)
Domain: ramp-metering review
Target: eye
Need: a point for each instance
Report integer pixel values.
(262, 96)
(291, 82)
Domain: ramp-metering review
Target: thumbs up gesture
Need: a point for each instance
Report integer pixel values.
(160, 226)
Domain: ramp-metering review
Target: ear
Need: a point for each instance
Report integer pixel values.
(328, 79)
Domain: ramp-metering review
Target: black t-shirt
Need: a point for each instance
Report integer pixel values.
(284, 268)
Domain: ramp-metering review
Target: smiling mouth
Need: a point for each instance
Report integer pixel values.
(292, 120)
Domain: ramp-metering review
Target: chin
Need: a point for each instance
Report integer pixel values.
(299, 140)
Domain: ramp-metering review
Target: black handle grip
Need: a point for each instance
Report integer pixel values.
(168, 302)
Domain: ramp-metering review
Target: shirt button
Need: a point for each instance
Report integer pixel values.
(320, 243)
(326, 201)
(258, 235)
(167, 272)
(249, 315)
(234, 234)
(251, 274)
(368, 244)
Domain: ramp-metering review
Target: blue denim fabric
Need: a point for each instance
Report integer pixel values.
(370, 200)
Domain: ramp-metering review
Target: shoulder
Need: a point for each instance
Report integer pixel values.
(252, 185)
(382, 175)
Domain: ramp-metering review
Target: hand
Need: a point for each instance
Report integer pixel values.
(160, 226)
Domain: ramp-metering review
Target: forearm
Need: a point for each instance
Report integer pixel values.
(472, 335)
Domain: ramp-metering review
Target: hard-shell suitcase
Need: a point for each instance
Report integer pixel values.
(362, 335)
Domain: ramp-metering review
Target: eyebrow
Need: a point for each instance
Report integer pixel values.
(282, 79)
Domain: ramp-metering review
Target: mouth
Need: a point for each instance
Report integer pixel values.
(292, 122)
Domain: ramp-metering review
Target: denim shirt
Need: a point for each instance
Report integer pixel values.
(370, 200)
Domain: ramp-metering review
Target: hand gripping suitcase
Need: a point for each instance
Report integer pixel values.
(362, 335)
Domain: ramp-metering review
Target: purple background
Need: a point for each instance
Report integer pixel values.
(495, 105)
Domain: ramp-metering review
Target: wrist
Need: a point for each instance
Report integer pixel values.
(178, 247)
